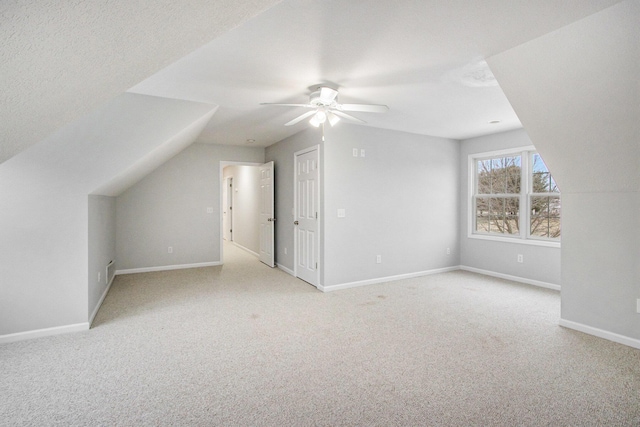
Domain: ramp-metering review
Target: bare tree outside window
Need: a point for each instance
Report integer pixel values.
(507, 196)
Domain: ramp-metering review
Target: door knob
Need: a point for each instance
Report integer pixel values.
(295, 222)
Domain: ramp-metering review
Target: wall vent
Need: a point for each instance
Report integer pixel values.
(111, 271)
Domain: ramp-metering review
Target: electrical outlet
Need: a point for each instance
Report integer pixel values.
(520, 258)
(170, 249)
(378, 259)
(99, 276)
(362, 152)
(448, 251)
(209, 210)
(285, 251)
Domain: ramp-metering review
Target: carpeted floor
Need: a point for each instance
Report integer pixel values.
(245, 345)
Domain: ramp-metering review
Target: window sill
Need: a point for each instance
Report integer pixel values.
(515, 240)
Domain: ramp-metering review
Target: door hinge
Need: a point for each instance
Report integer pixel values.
(316, 215)
(316, 265)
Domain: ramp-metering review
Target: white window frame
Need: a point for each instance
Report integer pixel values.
(526, 156)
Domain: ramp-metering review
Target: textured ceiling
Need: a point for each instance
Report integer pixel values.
(419, 57)
(61, 59)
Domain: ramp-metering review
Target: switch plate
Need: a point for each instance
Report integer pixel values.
(355, 152)
(170, 249)
(378, 259)
(520, 258)
(362, 152)
(99, 277)
(209, 210)
(342, 213)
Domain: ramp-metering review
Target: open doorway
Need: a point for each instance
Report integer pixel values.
(247, 206)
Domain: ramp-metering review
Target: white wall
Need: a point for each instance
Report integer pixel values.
(44, 220)
(542, 264)
(169, 208)
(246, 205)
(576, 91)
(102, 245)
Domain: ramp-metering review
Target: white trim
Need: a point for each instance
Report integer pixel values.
(167, 267)
(285, 269)
(512, 278)
(516, 240)
(386, 279)
(238, 245)
(104, 295)
(39, 333)
(600, 333)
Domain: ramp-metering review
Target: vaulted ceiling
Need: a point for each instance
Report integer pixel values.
(424, 59)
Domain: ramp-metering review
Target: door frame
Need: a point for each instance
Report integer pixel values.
(320, 211)
(223, 164)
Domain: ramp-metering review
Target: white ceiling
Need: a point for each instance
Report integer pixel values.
(421, 58)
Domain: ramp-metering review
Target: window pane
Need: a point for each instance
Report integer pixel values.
(545, 216)
(542, 182)
(502, 217)
(484, 177)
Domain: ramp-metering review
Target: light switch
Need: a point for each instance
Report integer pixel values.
(355, 152)
(341, 213)
(362, 152)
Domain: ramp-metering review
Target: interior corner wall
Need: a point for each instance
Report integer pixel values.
(401, 198)
(169, 208)
(576, 92)
(282, 154)
(246, 205)
(102, 246)
(542, 264)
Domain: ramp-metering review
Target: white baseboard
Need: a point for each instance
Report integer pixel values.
(385, 279)
(39, 333)
(255, 254)
(167, 267)
(285, 269)
(513, 278)
(600, 333)
(104, 295)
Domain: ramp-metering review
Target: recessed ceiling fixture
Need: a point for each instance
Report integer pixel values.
(494, 122)
(325, 107)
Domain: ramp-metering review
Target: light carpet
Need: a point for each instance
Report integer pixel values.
(246, 345)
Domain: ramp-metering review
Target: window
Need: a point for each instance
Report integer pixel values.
(513, 196)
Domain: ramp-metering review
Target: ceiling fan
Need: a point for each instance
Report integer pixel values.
(325, 107)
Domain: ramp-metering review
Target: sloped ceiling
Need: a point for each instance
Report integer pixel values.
(61, 59)
(424, 59)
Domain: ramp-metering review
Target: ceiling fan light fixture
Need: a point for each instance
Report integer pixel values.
(314, 121)
(333, 119)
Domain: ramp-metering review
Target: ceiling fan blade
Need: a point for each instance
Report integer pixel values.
(347, 116)
(287, 105)
(327, 95)
(366, 108)
(300, 118)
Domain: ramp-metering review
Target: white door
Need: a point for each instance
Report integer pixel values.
(266, 214)
(307, 199)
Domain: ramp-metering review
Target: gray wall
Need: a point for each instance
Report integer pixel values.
(576, 91)
(169, 208)
(246, 205)
(44, 216)
(540, 263)
(282, 156)
(102, 245)
(401, 201)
